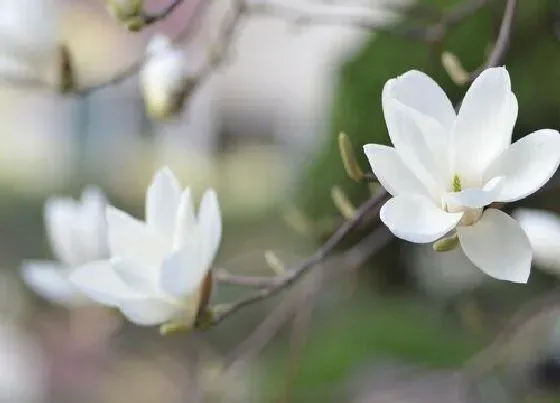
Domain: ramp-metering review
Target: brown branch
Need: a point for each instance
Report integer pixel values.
(501, 46)
(163, 14)
(345, 262)
(281, 282)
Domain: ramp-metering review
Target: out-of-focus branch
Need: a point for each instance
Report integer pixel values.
(364, 17)
(344, 262)
(533, 311)
(279, 283)
(191, 27)
(163, 14)
(501, 46)
(453, 65)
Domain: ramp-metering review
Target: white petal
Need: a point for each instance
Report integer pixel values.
(210, 225)
(186, 226)
(91, 227)
(391, 172)
(51, 282)
(418, 91)
(527, 164)
(408, 131)
(484, 124)
(60, 216)
(543, 230)
(417, 219)
(148, 311)
(140, 280)
(182, 273)
(100, 282)
(498, 246)
(162, 201)
(476, 198)
(132, 240)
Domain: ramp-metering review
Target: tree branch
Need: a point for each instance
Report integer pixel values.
(281, 282)
(501, 46)
(163, 14)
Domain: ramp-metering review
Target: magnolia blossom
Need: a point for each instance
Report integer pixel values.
(29, 34)
(164, 78)
(543, 230)
(445, 168)
(157, 270)
(78, 235)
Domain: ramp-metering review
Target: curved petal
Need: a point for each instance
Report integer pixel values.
(182, 273)
(100, 282)
(91, 226)
(476, 198)
(409, 131)
(498, 246)
(391, 172)
(417, 219)
(148, 311)
(50, 281)
(210, 225)
(60, 215)
(543, 230)
(527, 164)
(484, 124)
(186, 225)
(418, 91)
(162, 201)
(140, 280)
(132, 240)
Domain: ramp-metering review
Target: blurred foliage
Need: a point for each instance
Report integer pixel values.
(365, 332)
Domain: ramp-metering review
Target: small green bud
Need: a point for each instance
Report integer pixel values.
(168, 328)
(128, 12)
(457, 187)
(349, 159)
(446, 244)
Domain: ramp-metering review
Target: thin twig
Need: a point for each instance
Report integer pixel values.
(345, 262)
(501, 46)
(281, 282)
(189, 30)
(163, 14)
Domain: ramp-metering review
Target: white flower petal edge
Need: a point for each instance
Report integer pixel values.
(527, 164)
(100, 282)
(417, 219)
(543, 230)
(498, 246)
(391, 172)
(476, 198)
(162, 200)
(50, 281)
(485, 122)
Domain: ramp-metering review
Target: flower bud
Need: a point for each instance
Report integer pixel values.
(165, 79)
(129, 12)
(446, 244)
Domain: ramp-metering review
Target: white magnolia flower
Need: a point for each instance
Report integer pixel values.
(77, 233)
(445, 168)
(164, 78)
(29, 35)
(158, 268)
(543, 230)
